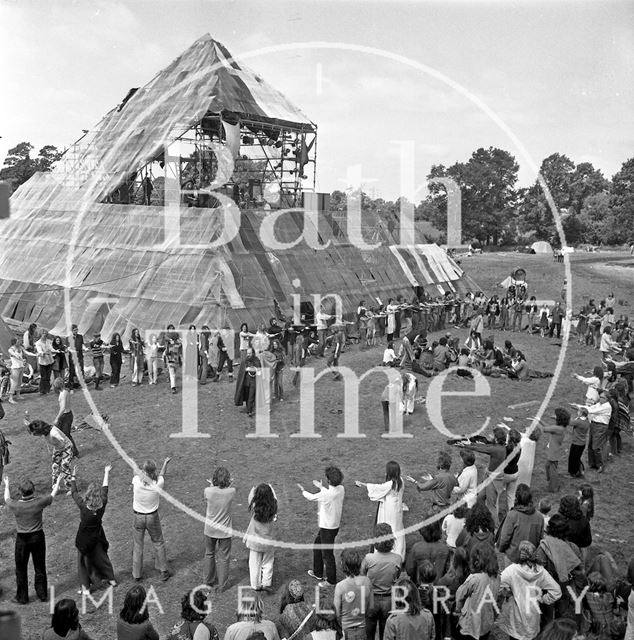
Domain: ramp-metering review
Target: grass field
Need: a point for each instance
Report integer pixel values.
(142, 419)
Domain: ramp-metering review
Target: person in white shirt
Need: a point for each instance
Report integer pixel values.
(467, 487)
(595, 383)
(18, 362)
(44, 350)
(608, 345)
(389, 357)
(330, 499)
(146, 518)
(453, 524)
(599, 414)
(321, 319)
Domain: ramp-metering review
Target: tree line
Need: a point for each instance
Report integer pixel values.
(593, 209)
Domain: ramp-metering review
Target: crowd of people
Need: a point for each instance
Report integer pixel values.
(494, 547)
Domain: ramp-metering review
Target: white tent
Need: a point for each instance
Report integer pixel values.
(541, 246)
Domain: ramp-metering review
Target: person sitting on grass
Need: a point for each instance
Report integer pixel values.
(65, 622)
(250, 620)
(297, 617)
(192, 625)
(134, 618)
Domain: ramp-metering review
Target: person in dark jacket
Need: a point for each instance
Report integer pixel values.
(116, 359)
(479, 529)
(523, 522)
(579, 531)
(246, 382)
(431, 548)
(94, 565)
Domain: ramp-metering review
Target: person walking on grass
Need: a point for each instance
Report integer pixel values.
(146, 488)
(330, 505)
(218, 525)
(44, 350)
(30, 540)
(97, 347)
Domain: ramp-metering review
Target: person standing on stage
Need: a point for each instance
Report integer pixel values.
(30, 540)
(330, 499)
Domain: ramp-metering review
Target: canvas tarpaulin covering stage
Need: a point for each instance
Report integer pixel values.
(65, 234)
(122, 277)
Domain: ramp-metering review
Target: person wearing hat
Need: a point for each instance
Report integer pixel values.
(97, 347)
(523, 585)
(296, 615)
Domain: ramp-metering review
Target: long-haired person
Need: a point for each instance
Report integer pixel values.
(250, 621)
(134, 618)
(172, 349)
(246, 382)
(192, 625)
(94, 565)
(137, 356)
(60, 362)
(263, 508)
(65, 622)
(18, 362)
(62, 450)
(145, 504)
(412, 622)
(116, 359)
(218, 524)
(64, 418)
(245, 340)
(473, 598)
(389, 495)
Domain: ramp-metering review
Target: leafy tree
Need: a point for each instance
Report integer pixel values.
(622, 200)
(19, 166)
(487, 184)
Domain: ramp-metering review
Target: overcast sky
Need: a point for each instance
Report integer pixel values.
(558, 74)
